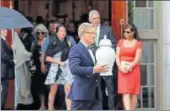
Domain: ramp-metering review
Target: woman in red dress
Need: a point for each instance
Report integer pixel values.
(128, 55)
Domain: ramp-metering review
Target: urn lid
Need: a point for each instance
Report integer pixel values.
(105, 42)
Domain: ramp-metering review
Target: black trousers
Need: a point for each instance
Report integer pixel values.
(4, 92)
(86, 105)
(110, 85)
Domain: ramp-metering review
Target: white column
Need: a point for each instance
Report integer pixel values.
(166, 53)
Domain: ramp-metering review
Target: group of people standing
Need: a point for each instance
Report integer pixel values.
(86, 88)
(50, 57)
(58, 60)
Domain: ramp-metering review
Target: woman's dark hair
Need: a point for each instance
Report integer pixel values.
(65, 52)
(134, 29)
(58, 27)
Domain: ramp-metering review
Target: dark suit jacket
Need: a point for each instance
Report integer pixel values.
(7, 64)
(81, 65)
(27, 41)
(105, 29)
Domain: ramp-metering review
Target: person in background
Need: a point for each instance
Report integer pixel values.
(61, 19)
(128, 55)
(56, 56)
(52, 31)
(38, 79)
(23, 95)
(27, 38)
(39, 20)
(7, 62)
(71, 30)
(52, 26)
(94, 18)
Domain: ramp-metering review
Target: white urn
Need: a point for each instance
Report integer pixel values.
(105, 55)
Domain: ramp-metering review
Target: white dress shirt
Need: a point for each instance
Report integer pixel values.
(90, 52)
(3, 38)
(97, 35)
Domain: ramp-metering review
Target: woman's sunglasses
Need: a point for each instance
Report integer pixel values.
(127, 32)
(38, 33)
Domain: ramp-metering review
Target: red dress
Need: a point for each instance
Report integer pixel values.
(129, 83)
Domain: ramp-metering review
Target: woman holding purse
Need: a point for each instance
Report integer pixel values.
(128, 55)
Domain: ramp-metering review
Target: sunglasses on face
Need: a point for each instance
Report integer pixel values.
(38, 33)
(128, 32)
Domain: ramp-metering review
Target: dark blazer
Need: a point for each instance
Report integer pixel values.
(105, 29)
(27, 41)
(7, 64)
(81, 65)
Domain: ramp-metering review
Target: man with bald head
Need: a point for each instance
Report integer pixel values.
(85, 91)
(94, 18)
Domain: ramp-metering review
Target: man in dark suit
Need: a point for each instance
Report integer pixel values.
(85, 89)
(7, 66)
(94, 18)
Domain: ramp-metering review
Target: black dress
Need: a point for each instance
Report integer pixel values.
(38, 77)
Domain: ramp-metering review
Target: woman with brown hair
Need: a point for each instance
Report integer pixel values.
(128, 55)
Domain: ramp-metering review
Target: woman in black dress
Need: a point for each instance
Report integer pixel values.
(38, 77)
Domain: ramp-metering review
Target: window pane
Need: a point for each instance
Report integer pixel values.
(150, 3)
(148, 52)
(140, 3)
(150, 75)
(143, 71)
(148, 97)
(144, 18)
(147, 75)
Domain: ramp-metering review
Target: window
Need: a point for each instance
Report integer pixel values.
(140, 3)
(147, 68)
(143, 14)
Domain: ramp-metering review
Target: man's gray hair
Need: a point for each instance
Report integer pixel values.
(93, 12)
(84, 27)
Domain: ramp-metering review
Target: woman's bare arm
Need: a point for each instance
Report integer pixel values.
(52, 60)
(137, 57)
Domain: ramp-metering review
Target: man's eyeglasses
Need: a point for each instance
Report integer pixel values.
(38, 33)
(90, 32)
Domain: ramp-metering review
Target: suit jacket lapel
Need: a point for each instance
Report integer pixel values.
(86, 52)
